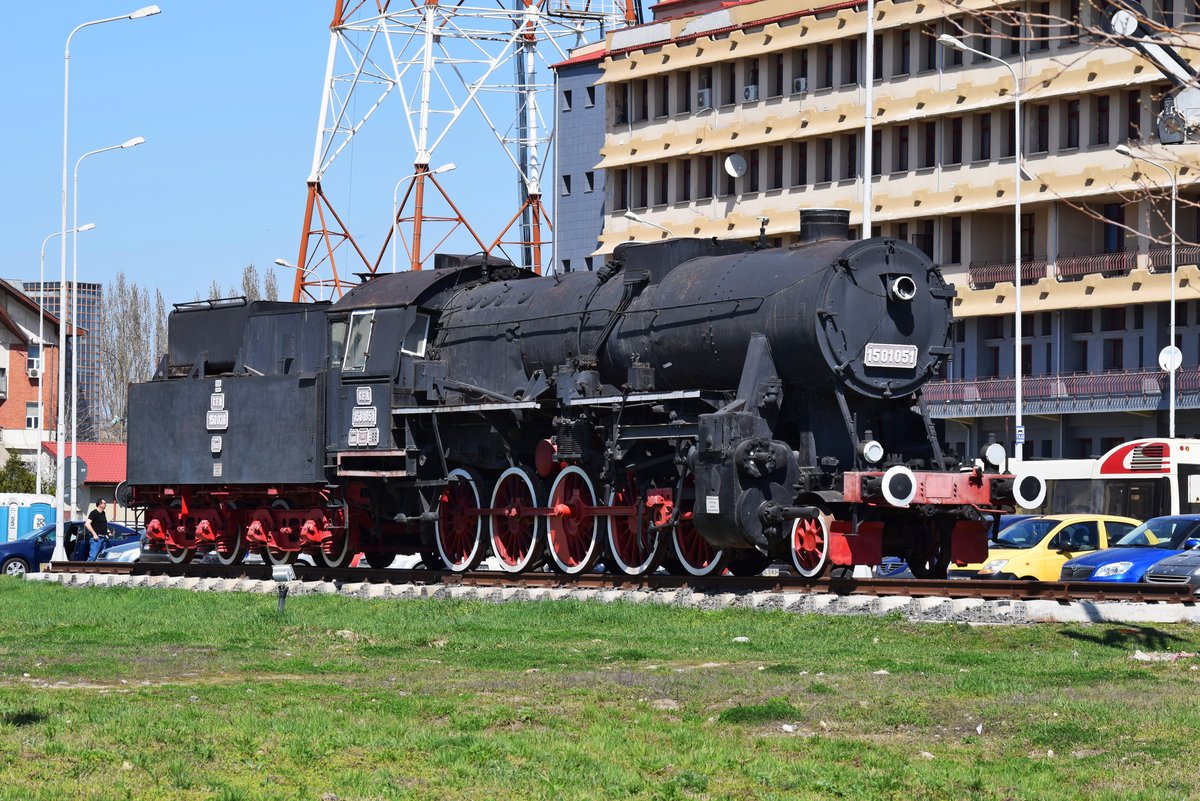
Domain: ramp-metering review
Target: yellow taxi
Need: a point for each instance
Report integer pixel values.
(1037, 548)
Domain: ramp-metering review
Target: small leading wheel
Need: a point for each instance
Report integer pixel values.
(338, 550)
(809, 546)
(573, 541)
(636, 549)
(515, 531)
(15, 567)
(748, 562)
(696, 556)
(458, 530)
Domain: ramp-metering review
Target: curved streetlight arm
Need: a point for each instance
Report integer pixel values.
(637, 218)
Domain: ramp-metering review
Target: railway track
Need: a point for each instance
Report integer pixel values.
(915, 588)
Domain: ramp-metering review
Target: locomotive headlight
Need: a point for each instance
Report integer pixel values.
(871, 451)
(899, 486)
(993, 453)
(902, 288)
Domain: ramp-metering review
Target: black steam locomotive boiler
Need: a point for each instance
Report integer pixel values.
(696, 404)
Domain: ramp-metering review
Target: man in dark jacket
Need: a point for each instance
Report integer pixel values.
(97, 529)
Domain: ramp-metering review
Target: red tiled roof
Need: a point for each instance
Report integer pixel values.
(105, 460)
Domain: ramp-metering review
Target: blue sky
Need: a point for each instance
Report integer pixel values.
(227, 97)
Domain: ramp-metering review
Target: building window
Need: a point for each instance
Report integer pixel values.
(849, 62)
(642, 198)
(877, 68)
(800, 159)
(991, 366)
(1114, 354)
(729, 84)
(924, 239)
(664, 96)
(955, 240)
(33, 358)
(589, 178)
(663, 182)
(1114, 228)
(955, 137)
(900, 159)
(1071, 127)
(876, 152)
(566, 185)
(591, 96)
(1013, 34)
(621, 104)
(566, 265)
(1071, 32)
(928, 145)
(754, 169)
(929, 47)
(1112, 318)
(983, 125)
(776, 168)
(685, 180)
(826, 161)
(683, 98)
(620, 191)
(775, 69)
(850, 167)
(1010, 138)
(1133, 115)
(708, 177)
(728, 183)
(826, 67)
(566, 100)
(1041, 131)
(1100, 129)
(904, 52)
(1027, 236)
(1039, 26)
(32, 421)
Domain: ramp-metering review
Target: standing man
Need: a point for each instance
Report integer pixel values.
(97, 526)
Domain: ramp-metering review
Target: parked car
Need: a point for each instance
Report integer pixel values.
(1182, 568)
(27, 553)
(1037, 547)
(1131, 556)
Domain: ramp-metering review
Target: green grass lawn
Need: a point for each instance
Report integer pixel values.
(165, 694)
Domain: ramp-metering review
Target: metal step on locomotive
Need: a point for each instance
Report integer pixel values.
(698, 405)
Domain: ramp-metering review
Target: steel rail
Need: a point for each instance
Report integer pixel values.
(917, 588)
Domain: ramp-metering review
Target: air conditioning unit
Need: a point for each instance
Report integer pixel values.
(799, 86)
(749, 93)
(34, 373)
(704, 98)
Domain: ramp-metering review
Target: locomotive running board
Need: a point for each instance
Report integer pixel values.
(634, 397)
(474, 407)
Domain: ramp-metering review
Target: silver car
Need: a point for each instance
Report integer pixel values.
(1182, 568)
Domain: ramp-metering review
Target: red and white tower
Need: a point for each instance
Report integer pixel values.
(437, 66)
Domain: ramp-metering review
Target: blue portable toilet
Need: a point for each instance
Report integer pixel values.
(23, 512)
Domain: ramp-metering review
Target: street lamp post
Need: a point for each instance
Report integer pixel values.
(422, 171)
(75, 308)
(952, 42)
(60, 553)
(1171, 362)
(41, 299)
(637, 218)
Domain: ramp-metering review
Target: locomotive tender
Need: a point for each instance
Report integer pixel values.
(698, 404)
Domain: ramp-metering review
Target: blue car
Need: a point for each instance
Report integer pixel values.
(27, 553)
(1132, 555)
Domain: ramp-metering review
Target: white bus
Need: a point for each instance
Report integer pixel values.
(1142, 479)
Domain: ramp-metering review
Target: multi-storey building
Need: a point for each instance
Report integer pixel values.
(90, 345)
(27, 363)
(780, 84)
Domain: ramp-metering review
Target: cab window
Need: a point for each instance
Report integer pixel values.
(337, 342)
(358, 342)
(417, 336)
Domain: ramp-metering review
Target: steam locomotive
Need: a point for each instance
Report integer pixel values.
(697, 404)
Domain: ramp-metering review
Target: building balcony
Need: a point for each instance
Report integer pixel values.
(1112, 391)
(986, 274)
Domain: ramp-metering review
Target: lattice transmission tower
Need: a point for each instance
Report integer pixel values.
(439, 66)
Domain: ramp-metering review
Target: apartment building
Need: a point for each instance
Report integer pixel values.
(781, 85)
(28, 365)
(90, 345)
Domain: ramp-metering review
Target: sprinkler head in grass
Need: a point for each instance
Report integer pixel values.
(282, 575)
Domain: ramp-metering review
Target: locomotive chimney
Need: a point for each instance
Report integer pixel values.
(820, 224)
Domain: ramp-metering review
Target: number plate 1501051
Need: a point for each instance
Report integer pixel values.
(896, 356)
